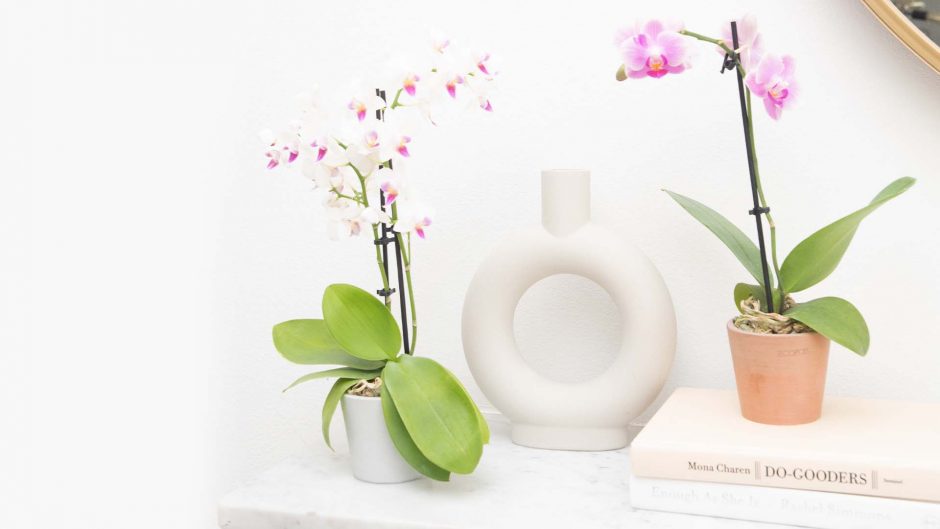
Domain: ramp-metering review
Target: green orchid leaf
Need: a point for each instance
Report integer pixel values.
(405, 445)
(484, 426)
(481, 421)
(743, 291)
(341, 372)
(740, 245)
(360, 323)
(438, 414)
(836, 319)
(309, 342)
(329, 405)
(818, 255)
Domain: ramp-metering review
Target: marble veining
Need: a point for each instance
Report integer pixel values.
(514, 487)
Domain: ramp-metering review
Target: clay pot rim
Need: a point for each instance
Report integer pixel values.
(731, 327)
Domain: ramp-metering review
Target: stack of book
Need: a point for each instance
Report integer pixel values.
(864, 464)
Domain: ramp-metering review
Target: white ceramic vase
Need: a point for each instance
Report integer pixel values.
(545, 413)
(374, 457)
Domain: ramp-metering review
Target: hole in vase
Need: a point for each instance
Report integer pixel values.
(567, 328)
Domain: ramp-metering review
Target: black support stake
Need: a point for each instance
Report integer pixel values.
(389, 236)
(757, 211)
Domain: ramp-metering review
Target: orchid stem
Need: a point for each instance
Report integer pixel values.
(395, 104)
(406, 256)
(375, 236)
(718, 42)
(406, 259)
(763, 202)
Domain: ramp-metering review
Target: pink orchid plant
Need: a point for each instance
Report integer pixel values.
(657, 50)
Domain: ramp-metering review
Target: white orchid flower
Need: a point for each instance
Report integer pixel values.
(392, 183)
(280, 147)
(348, 219)
(413, 218)
(353, 153)
(364, 103)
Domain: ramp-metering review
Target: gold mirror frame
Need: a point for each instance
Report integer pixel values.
(906, 31)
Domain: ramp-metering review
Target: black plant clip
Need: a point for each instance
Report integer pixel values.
(728, 64)
(759, 211)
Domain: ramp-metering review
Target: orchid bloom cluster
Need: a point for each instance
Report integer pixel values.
(360, 146)
(356, 151)
(656, 49)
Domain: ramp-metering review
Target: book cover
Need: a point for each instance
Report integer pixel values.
(823, 510)
(859, 446)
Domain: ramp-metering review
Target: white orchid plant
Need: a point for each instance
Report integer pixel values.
(356, 154)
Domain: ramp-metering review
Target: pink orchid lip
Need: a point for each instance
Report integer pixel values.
(410, 84)
(273, 159)
(359, 108)
(292, 156)
(390, 193)
(403, 150)
(452, 89)
(657, 68)
(487, 106)
(419, 231)
(778, 94)
(321, 153)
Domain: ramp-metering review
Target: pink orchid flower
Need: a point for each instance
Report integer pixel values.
(652, 50)
(750, 44)
(772, 79)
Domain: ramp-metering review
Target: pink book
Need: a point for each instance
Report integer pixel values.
(859, 446)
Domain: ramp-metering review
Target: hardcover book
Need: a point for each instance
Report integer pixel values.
(823, 510)
(859, 446)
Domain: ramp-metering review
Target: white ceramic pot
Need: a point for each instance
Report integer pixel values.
(374, 457)
(546, 413)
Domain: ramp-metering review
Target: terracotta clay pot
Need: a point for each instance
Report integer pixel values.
(781, 378)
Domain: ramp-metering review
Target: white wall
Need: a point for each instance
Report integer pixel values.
(148, 252)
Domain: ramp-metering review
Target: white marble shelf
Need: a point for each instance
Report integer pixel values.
(514, 487)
